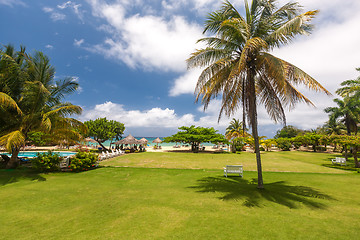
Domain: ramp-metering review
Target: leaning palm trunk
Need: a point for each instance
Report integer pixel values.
(14, 160)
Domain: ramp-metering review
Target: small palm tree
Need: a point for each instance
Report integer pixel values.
(235, 130)
(33, 104)
(239, 67)
(350, 87)
(348, 111)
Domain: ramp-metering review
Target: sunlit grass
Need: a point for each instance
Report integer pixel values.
(184, 196)
(143, 203)
(272, 161)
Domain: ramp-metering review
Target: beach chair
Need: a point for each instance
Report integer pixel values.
(103, 156)
(114, 153)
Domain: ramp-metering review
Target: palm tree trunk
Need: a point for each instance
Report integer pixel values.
(253, 118)
(14, 161)
(355, 150)
(243, 102)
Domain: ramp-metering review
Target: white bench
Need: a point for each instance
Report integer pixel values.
(237, 169)
(64, 163)
(339, 160)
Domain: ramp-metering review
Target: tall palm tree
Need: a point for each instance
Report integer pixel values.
(239, 67)
(33, 104)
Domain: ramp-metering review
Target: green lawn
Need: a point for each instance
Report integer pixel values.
(165, 203)
(272, 161)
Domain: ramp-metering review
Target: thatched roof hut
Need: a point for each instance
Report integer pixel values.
(90, 140)
(157, 140)
(144, 141)
(128, 140)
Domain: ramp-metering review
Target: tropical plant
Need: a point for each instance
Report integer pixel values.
(46, 162)
(312, 139)
(283, 143)
(33, 101)
(83, 161)
(102, 130)
(268, 143)
(351, 88)
(196, 135)
(287, 132)
(348, 111)
(239, 67)
(235, 130)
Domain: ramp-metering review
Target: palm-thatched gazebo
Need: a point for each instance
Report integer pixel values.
(128, 140)
(144, 140)
(157, 141)
(90, 140)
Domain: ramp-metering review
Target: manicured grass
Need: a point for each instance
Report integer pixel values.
(151, 203)
(271, 161)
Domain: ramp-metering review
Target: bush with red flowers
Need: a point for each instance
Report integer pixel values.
(46, 162)
(83, 161)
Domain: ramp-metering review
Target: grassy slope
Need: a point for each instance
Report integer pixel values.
(164, 203)
(272, 161)
(139, 203)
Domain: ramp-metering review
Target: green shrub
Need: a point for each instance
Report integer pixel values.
(46, 162)
(83, 161)
(261, 148)
(283, 143)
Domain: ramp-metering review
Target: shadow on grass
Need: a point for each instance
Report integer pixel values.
(8, 176)
(235, 188)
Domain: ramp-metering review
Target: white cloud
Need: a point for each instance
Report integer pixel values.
(49, 46)
(78, 43)
(155, 117)
(73, 6)
(150, 42)
(55, 16)
(48, 9)
(186, 83)
(11, 3)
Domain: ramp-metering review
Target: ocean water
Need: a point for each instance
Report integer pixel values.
(150, 143)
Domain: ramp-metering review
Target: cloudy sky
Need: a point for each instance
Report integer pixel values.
(129, 57)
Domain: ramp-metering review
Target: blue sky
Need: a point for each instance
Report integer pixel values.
(129, 57)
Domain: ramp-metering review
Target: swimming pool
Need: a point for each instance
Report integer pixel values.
(27, 154)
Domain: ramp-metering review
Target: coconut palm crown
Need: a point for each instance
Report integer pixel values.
(31, 100)
(235, 130)
(238, 65)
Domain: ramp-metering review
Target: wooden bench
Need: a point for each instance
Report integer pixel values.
(339, 160)
(237, 169)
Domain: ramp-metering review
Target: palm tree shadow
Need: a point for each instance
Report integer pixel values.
(8, 176)
(277, 192)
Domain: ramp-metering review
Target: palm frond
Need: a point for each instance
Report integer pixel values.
(63, 110)
(294, 26)
(207, 56)
(12, 140)
(7, 101)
